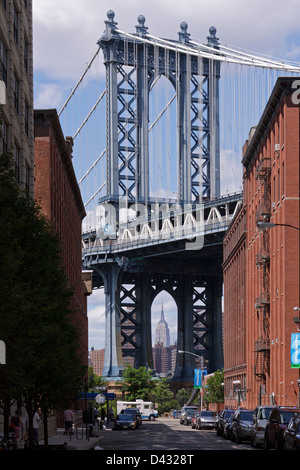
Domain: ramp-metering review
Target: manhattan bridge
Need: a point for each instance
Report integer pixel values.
(153, 152)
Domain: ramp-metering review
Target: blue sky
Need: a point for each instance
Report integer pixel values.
(65, 39)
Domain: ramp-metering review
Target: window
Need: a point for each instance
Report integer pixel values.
(3, 137)
(27, 179)
(3, 62)
(27, 119)
(16, 25)
(26, 54)
(16, 93)
(17, 163)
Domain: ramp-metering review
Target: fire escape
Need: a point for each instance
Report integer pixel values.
(262, 304)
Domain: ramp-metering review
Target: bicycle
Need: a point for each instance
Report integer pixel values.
(27, 444)
(8, 442)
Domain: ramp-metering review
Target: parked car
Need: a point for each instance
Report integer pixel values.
(291, 437)
(194, 419)
(126, 421)
(184, 410)
(188, 416)
(223, 419)
(260, 419)
(207, 419)
(242, 423)
(278, 421)
(134, 412)
(228, 428)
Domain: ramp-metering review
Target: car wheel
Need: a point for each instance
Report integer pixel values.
(254, 442)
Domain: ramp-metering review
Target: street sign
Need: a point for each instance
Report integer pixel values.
(100, 398)
(198, 376)
(92, 396)
(295, 351)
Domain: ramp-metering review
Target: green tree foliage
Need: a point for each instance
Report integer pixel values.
(43, 366)
(164, 398)
(138, 383)
(214, 392)
(182, 397)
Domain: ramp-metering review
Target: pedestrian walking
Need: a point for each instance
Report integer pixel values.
(36, 419)
(15, 425)
(68, 418)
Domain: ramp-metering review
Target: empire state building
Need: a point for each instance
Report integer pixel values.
(162, 333)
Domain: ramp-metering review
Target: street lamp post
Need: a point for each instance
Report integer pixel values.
(265, 225)
(200, 357)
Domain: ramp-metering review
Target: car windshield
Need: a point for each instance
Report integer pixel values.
(229, 413)
(286, 416)
(265, 413)
(125, 417)
(190, 412)
(128, 410)
(208, 413)
(247, 415)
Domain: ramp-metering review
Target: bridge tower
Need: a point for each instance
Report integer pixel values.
(133, 278)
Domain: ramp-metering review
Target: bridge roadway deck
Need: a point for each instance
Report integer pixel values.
(198, 251)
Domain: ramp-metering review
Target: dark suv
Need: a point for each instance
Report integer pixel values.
(133, 412)
(223, 419)
(277, 423)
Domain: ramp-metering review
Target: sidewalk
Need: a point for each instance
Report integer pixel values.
(76, 442)
(79, 441)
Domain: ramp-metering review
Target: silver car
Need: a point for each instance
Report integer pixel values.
(260, 419)
(207, 419)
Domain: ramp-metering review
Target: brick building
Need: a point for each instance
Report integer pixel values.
(57, 192)
(16, 76)
(263, 304)
(97, 360)
(234, 324)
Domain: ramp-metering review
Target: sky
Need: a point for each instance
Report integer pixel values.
(65, 36)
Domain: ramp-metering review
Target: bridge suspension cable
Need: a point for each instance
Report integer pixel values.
(79, 81)
(202, 50)
(89, 115)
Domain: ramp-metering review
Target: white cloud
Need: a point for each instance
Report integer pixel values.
(46, 93)
(66, 32)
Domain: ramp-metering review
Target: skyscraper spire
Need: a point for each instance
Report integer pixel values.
(162, 333)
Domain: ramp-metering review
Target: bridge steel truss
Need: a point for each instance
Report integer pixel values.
(130, 263)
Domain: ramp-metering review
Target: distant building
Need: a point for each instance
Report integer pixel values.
(97, 360)
(162, 332)
(16, 76)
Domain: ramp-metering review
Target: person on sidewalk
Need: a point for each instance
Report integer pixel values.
(68, 417)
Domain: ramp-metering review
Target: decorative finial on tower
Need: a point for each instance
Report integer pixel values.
(212, 39)
(110, 23)
(141, 29)
(184, 36)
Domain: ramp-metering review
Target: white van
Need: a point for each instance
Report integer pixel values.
(145, 408)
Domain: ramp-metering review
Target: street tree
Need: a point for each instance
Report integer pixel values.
(43, 367)
(164, 397)
(138, 383)
(214, 392)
